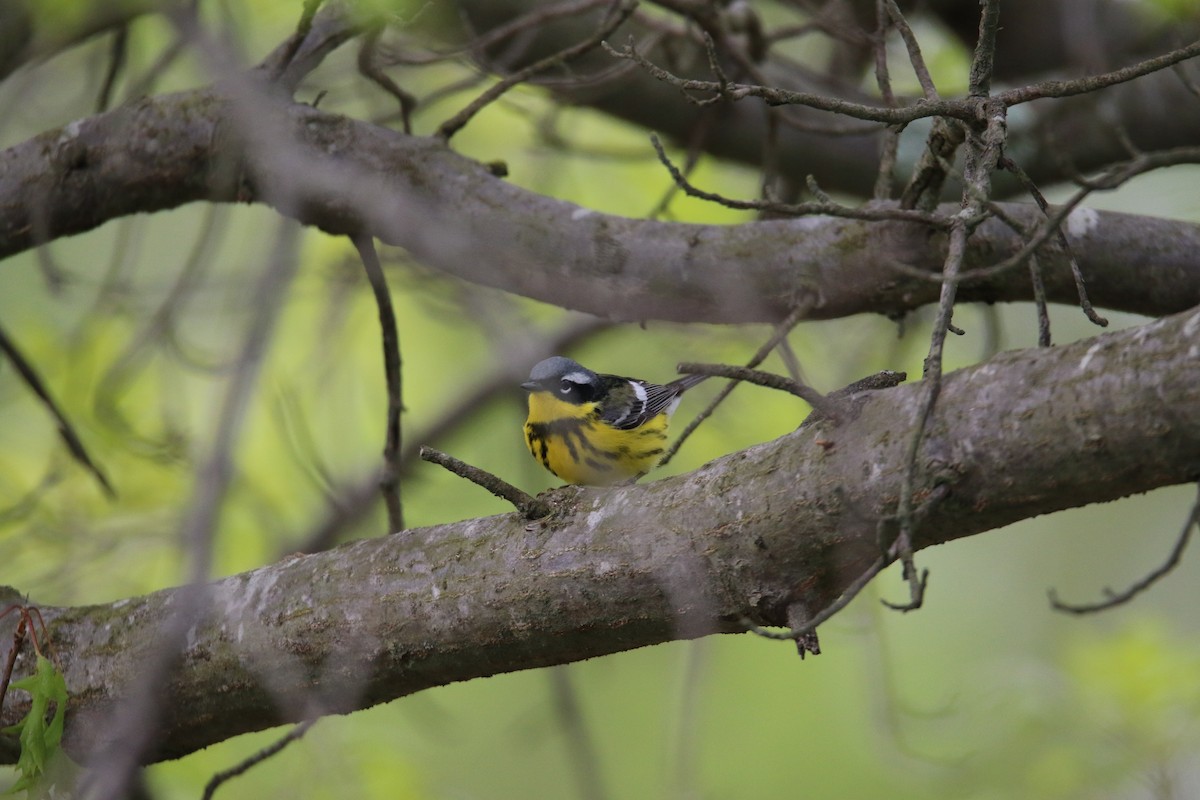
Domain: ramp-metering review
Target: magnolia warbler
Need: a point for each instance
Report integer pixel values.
(597, 429)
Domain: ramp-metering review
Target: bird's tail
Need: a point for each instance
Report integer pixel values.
(681, 385)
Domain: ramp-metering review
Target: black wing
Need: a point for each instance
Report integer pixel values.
(627, 408)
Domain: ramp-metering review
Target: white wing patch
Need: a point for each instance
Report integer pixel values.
(636, 408)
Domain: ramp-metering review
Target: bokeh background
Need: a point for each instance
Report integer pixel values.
(984, 693)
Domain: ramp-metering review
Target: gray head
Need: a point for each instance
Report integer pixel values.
(561, 376)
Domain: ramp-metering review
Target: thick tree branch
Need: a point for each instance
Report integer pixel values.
(1156, 110)
(454, 214)
(747, 536)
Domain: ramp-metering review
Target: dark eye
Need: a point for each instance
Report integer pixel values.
(566, 386)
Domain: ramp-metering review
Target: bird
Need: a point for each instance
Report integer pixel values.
(594, 429)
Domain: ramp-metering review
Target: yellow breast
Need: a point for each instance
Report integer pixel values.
(572, 442)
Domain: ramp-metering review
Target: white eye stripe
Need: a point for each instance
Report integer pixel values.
(580, 378)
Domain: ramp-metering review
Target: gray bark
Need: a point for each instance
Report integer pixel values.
(792, 521)
(453, 214)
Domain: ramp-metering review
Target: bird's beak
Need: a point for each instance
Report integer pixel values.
(530, 386)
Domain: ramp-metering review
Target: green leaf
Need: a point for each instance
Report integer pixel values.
(39, 739)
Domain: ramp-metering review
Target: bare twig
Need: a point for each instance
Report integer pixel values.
(389, 481)
(1039, 298)
(529, 506)
(1066, 88)
(262, 755)
(798, 633)
(982, 157)
(368, 65)
(890, 145)
(116, 62)
(1119, 598)
(826, 208)
(924, 188)
(17, 642)
(884, 379)
(781, 332)
(706, 121)
(478, 44)
(818, 401)
(316, 35)
(617, 15)
(964, 109)
(1051, 226)
(1076, 272)
(774, 96)
(980, 81)
(303, 27)
(914, 50)
(66, 431)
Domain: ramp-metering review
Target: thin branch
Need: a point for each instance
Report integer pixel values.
(1052, 224)
(307, 12)
(295, 734)
(958, 108)
(1066, 88)
(798, 633)
(1119, 598)
(18, 641)
(524, 26)
(714, 64)
(890, 145)
(705, 124)
(828, 209)
(315, 37)
(818, 401)
(529, 506)
(982, 157)
(368, 65)
(614, 18)
(1080, 285)
(914, 50)
(116, 62)
(980, 82)
(66, 431)
(925, 185)
(389, 481)
(1039, 299)
(884, 379)
(781, 332)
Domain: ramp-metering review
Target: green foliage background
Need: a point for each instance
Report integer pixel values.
(985, 693)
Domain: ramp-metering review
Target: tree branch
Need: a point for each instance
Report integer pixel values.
(1156, 109)
(453, 214)
(747, 536)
